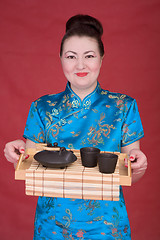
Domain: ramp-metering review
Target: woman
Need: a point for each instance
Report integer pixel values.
(83, 115)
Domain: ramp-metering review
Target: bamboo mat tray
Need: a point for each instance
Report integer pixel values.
(74, 181)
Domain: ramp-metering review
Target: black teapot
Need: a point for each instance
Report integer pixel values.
(55, 156)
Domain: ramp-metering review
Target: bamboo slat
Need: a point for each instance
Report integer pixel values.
(74, 181)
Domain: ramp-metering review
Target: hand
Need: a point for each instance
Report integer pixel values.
(138, 164)
(13, 149)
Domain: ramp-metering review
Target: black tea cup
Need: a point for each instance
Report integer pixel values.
(89, 156)
(107, 162)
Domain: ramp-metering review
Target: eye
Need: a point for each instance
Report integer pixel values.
(90, 56)
(71, 57)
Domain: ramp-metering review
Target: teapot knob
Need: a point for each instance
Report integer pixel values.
(49, 144)
(55, 144)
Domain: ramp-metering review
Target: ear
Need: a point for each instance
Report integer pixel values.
(102, 59)
(103, 56)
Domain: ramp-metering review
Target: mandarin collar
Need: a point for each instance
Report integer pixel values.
(87, 101)
(70, 103)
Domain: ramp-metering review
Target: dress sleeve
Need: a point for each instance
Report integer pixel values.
(132, 129)
(34, 129)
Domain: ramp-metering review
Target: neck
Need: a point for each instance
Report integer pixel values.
(83, 92)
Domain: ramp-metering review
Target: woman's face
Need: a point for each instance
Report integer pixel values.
(81, 62)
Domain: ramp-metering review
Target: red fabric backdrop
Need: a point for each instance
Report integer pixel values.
(30, 35)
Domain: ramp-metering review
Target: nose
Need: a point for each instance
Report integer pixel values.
(80, 63)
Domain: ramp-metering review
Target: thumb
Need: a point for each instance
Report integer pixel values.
(19, 145)
(22, 149)
(132, 157)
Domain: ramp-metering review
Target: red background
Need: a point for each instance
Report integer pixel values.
(30, 35)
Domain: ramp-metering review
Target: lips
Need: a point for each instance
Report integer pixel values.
(82, 74)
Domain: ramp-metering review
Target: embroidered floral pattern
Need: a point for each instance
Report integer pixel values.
(87, 104)
(75, 104)
(116, 234)
(90, 206)
(127, 134)
(120, 103)
(97, 133)
(55, 112)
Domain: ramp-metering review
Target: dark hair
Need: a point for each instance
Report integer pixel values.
(84, 25)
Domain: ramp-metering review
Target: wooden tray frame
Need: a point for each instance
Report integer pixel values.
(24, 165)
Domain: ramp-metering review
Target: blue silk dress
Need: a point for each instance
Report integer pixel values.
(103, 119)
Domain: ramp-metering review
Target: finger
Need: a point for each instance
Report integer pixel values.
(19, 144)
(26, 156)
(126, 162)
(13, 155)
(138, 165)
(138, 170)
(13, 160)
(11, 146)
(22, 150)
(135, 165)
(10, 159)
(140, 162)
(137, 158)
(132, 158)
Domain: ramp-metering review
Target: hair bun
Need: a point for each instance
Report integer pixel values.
(84, 26)
(80, 20)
